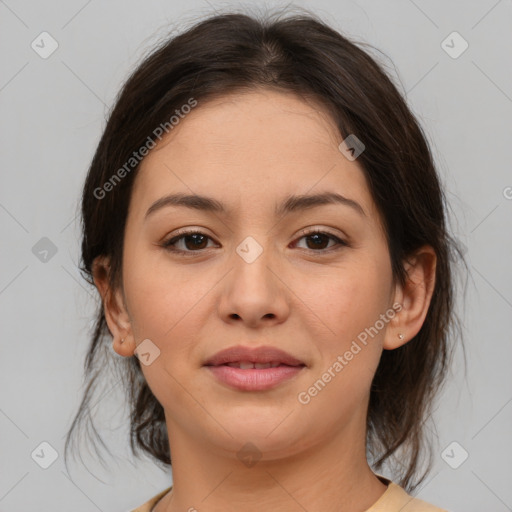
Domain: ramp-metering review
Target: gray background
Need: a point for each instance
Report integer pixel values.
(52, 115)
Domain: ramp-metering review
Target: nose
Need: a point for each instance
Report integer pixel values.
(254, 291)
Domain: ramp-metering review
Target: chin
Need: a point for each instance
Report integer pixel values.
(266, 431)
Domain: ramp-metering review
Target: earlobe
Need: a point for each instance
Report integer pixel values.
(125, 346)
(114, 309)
(414, 296)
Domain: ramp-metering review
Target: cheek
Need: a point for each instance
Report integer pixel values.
(350, 304)
(159, 294)
(350, 298)
(164, 306)
(170, 306)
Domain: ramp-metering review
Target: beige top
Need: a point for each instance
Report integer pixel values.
(394, 498)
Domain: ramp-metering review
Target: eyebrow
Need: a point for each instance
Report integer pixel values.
(291, 204)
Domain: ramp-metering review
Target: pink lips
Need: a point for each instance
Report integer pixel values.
(256, 369)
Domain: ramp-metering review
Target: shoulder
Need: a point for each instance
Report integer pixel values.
(146, 507)
(395, 496)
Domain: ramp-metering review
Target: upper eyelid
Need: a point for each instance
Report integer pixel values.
(303, 232)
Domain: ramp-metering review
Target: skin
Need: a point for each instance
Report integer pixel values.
(250, 151)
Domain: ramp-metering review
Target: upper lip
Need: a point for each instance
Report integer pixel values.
(263, 354)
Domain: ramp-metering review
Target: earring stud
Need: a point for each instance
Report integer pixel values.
(400, 336)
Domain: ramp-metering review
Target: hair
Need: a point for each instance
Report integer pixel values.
(300, 54)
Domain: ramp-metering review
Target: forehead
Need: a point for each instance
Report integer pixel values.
(253, 146)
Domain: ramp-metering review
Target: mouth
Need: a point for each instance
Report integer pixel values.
(257, 369)
(247, 358)
(247, 365)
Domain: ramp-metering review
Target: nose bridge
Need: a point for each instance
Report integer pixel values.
(253, 291)
(253, 259)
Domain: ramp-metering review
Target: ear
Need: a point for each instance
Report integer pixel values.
(116, 314)
(414, 297)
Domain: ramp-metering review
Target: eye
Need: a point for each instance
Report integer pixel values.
(194, 241)
(318, 238)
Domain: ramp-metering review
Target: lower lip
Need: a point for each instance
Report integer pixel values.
(254, 379)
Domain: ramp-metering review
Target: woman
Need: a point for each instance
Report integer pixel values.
(266, 228)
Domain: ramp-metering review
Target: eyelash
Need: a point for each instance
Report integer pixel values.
(167, 244)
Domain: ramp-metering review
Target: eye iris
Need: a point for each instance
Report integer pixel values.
(317, 237)
(197, 242)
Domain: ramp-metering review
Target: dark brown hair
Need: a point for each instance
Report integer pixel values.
(299, 54)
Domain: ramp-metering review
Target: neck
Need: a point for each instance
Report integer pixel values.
(331, 476)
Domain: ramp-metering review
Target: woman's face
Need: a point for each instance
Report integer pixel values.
(254, 277)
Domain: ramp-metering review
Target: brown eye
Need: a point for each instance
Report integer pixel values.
(192, 241)
(196, 241)
(317, 240)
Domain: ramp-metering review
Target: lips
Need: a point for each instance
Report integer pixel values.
(253, 369)
(259, 358)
